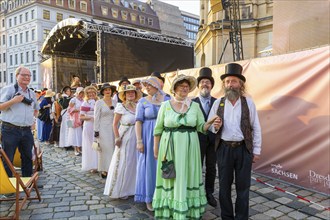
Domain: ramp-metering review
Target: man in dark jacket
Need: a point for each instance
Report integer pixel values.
(205, 100)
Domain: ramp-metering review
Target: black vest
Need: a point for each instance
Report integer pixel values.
(246, 127)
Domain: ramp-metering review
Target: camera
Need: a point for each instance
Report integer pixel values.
(25, 100)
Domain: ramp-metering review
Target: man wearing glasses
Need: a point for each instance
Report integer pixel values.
(19, 107)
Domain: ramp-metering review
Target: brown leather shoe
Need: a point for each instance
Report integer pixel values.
(211, 200)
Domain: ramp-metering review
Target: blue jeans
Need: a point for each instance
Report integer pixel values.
(22, 138)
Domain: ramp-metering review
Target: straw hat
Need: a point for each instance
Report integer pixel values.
(49, 93)
(153, 81)
(123, 89)
(192, 81)
(79, 90)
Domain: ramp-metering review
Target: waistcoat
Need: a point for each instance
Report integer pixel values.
(245, 124)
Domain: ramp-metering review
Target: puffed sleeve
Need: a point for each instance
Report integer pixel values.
(159, 127)
(139, 115)
(200, 119)
(119, 109)
(97, 115)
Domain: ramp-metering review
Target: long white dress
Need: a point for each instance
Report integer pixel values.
(75, 134)
(89, 156)
(64, 129)
(122, 171)
(103, 120)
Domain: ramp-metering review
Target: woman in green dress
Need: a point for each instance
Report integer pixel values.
(178, 122)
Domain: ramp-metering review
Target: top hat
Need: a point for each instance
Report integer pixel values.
(205, 73)
(191, 79)
(124, 79)
(106, 86)
(233, 69)
(157, 74)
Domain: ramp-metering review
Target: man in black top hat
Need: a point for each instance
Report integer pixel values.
(237, 142)
(123, 82)
(206, 141)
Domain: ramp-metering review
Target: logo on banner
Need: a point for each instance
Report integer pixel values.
(318, 178)
(278, 170)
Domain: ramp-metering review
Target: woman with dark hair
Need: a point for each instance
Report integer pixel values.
(46, 105)
(64, 130)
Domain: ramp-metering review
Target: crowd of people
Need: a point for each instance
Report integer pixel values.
(144, 142)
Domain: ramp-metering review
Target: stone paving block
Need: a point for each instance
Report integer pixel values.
(260, 208)
(69, 199)
(259, 199)
(115, 215)
(42, 216)
(271, 196)
(63, 215)
(303, 193)
(62, 209)
(271, 204)
(99, 206)
(265, 190)
(105, 210)
(51, 200)
(93, 202)
(324, 215)
(36, 205)
(253, 212)
(297, 215)
(98, 217)
(79, 218)
(284, 218)
(310, 211)
(85, 213)
(42, 211)
(284, 209)
(283, 200)
(295, 204)
(273, 213)
(79, 208)
(78, 202)
(58, 204)
(259, 217)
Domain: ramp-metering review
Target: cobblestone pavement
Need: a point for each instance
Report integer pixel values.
(69, 193)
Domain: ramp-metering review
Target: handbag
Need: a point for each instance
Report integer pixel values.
(168, 168)
(96, 145)
(43, 115)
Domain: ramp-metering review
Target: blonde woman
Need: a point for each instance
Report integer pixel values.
(103, 132)
(89, 156)
(122, 171)
(74, 122)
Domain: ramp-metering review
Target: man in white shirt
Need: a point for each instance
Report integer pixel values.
(238, 142)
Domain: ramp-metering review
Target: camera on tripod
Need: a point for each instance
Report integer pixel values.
(25, 100)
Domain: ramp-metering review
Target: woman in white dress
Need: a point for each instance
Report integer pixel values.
(103, 120)
(89, 156)
(64, 130)
(122, 171)
(74, 122)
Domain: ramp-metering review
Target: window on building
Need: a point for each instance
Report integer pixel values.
(15, 39)
(11, 60)
(116, 2)
(3, 23)
(59, 2)
(15, 21)
(0, 76)
(134, 5)
(3, 39)
(83, 6)
(150, 22)
(11, 77)
(33, 34)
(34, 75)
(142, 8)
(9, 22)
(32, 14)
(26, 36)
(124, 15)
(45, 34)
(104, 10)
(46, 15)
(33, 55)
(4, 57)
(4, 76)
(20, 18)
(27, 57)
(142, 19)
(0, 58)
(72, 4)
(133, 17)
(114, 12)
(22, 58)
(10, 41)
(59, 17)
(16, 59)
(21, 38)
(26, 16)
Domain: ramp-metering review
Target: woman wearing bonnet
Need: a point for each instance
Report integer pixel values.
(146, 115)
(122, 171)
(178, 122)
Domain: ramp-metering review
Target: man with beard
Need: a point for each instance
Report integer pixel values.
(205, 100)
(237, 143)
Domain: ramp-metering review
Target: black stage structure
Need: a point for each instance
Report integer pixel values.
(116, 50)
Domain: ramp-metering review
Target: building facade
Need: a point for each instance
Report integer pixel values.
(256, 18)
(191, 23)
(25, 24)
